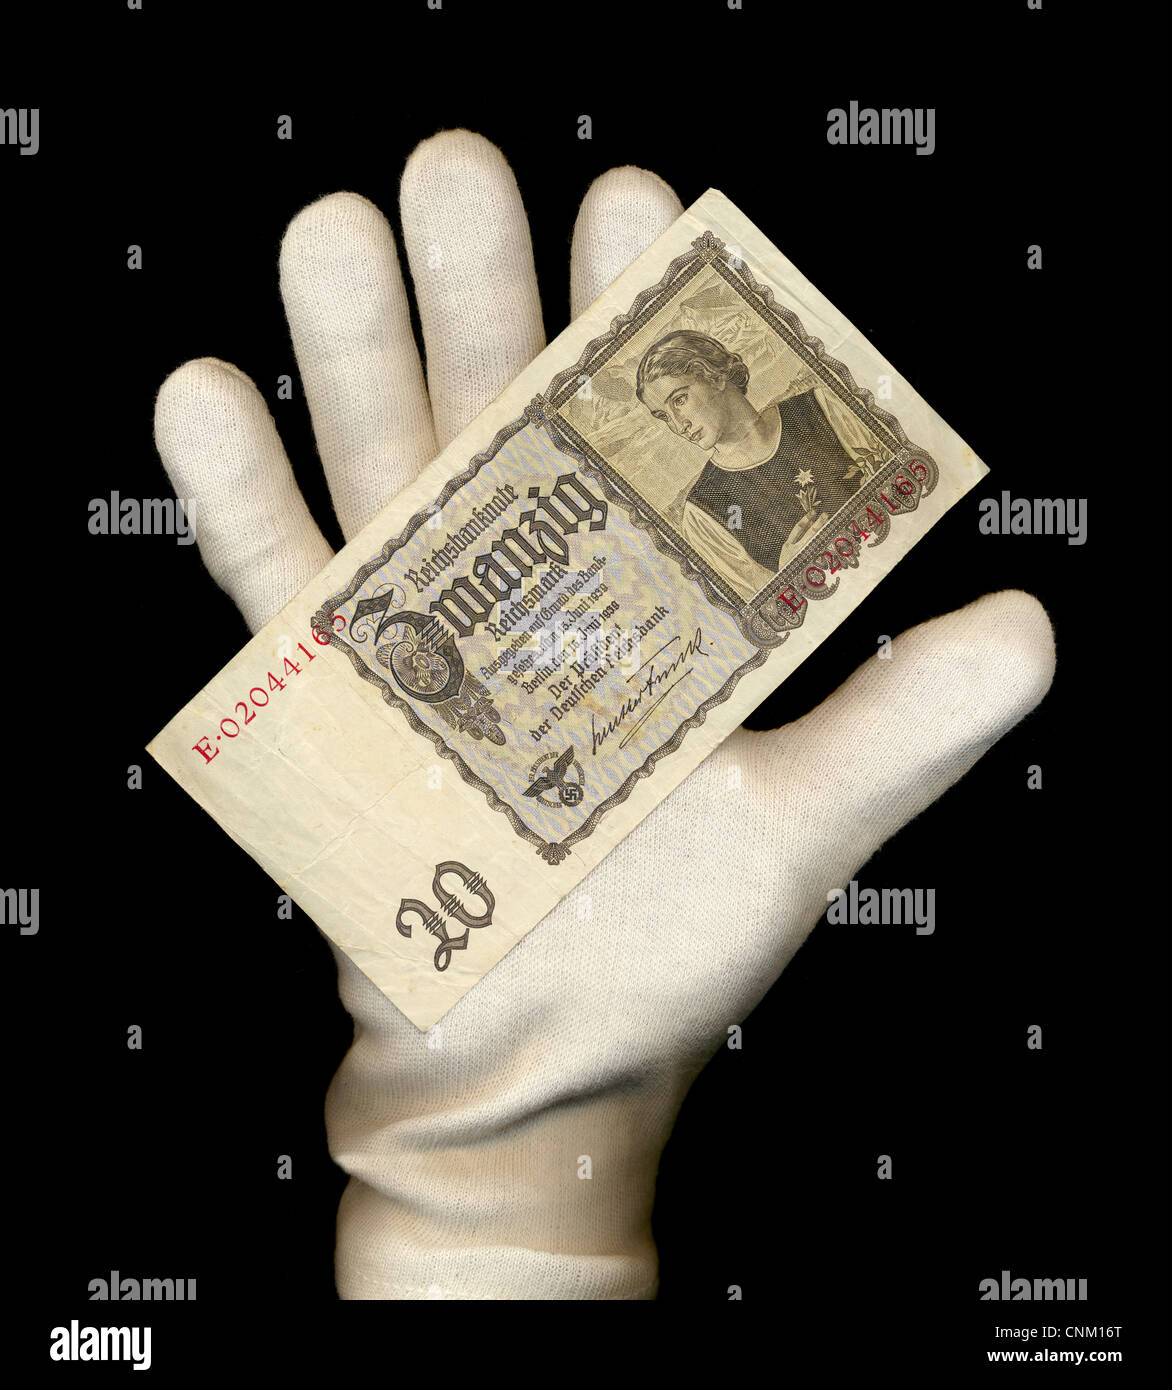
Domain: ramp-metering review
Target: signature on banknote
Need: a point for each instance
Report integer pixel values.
(649, 682)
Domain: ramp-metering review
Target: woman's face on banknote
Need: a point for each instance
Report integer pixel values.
(692, 407)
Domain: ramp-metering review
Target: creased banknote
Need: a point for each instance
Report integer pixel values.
(534, 643)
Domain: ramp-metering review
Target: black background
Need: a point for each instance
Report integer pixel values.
(163, 1162)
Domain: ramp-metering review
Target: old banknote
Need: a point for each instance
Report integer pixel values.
(532, 645)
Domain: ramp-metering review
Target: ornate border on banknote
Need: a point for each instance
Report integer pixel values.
(777, 609)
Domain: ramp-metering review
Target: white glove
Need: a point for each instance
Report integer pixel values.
(465, 1159)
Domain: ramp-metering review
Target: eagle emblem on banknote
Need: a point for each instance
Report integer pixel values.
(552, 778)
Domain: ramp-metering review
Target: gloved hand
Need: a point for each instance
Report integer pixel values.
(465, 1157)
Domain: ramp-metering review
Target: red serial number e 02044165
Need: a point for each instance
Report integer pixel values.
(815, 575)
(258, 696)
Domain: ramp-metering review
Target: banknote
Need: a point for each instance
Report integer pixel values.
(592, 586)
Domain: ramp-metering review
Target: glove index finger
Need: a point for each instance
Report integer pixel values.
(220, 447)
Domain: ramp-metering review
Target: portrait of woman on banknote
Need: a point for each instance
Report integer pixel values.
(774, 474)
